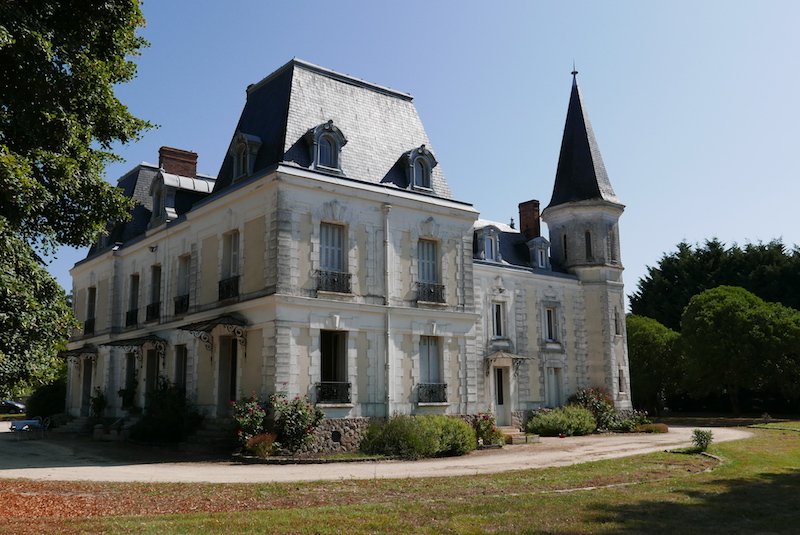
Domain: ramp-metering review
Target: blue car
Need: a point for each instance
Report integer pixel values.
(11, 407)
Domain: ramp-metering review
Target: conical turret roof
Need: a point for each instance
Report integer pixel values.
(581, 174)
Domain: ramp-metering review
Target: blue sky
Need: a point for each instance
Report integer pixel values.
(694, 103)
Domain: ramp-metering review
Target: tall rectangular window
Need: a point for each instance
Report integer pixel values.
(182, 296)
(498, 320)
(489, 248)
(428, 261)
(551, 331)
(91, 303)
(154, 307)
(132, 315)
(230, 255)
(334, 386)
(331, 247)
(429, 360)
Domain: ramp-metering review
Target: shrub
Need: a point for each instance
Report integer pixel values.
(456, 437)
(599, 403)
(702, 439)
(48, 399)
(417, 437)
(250, 415)
(297, 421)
(570, 420)
(98, 403)
(261, 445)
(486, 429)
(652, 428)
(629, 421)
(401, 435)
(169, 416)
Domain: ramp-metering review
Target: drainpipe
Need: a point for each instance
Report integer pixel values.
(387, 293)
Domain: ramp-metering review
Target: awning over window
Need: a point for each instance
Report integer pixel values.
(202, 329)
(87, 352)
(515, 359)
(139, 341)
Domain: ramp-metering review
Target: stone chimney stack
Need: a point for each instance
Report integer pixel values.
(529, 224)
(178, 162)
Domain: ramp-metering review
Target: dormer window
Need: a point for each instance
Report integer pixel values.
(487, 244)
(325, 142)
(539, 249)
(243, 150)
(420, 163)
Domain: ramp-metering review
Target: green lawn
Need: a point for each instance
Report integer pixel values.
(755, 490)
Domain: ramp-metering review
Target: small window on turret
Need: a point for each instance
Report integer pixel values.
(588, 239)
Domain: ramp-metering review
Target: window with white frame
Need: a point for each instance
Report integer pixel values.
(332, 248)
(429, 360)
(490, 248)
(499, 320)
(133, 301)
(420, 163)
(230, 255)
(154, 306)
(181, 360)
(422, 174)
(428, 261)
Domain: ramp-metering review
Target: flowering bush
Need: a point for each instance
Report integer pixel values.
(599, 403)
(250, 414)
(297, 420)
(261, 445)
(486, 429)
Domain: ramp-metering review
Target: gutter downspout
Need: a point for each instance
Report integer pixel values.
(387, 294)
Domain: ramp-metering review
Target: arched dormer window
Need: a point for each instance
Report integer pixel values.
(325, 142)
(420, 163)
(488, 243)
(243, 150)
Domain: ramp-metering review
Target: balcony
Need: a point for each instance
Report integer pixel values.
(153, 311)
(430, 292)
(333, 281)
(229, 288)
(88, 327)
(132, 317)
(432, 392)
(181, 304)
(332, 392)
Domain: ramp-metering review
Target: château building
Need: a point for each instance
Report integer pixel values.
(329, 258)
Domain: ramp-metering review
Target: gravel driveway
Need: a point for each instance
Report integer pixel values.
(75, 458)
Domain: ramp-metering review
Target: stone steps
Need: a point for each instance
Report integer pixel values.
(516, 436)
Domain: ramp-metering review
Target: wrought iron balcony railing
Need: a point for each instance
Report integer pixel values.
(153, 311)
(333, 281)
(88, 326)
(333, 392)
(181, 304)
(432, 392)
(229, 288)
(430, 292)
(132, 317)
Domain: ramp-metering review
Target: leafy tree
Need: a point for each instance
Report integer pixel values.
(656, 362)
(34, 317)
(768, 270)
(734, 340)
(59, 63)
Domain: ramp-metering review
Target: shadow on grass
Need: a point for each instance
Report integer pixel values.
(769, 503)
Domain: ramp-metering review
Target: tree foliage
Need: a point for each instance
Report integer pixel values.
(656, 361)
(734, 340)
(59, 118)
(768, 270)
(34, 318)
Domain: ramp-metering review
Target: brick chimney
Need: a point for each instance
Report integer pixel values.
(178, 162)
(529, 219)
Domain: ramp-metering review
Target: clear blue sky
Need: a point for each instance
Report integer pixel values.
(694, 103)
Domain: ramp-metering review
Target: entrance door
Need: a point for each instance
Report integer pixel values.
(226, 385)
(86, 388)
(502, 399)
(554, 387)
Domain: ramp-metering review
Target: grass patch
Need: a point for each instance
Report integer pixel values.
(754, 490)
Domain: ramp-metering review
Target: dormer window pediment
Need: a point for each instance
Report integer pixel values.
(539, 249)
(325, 142)
(488, 243)
(244, 149)
(419, 164)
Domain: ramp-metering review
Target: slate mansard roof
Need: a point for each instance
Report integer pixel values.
(380, 125)
(581, 174)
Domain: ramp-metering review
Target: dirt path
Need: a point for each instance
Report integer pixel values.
(64, 458)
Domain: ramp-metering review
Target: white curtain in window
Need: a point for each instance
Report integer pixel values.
(331, 247)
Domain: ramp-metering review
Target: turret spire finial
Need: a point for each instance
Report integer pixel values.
(574, 70)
